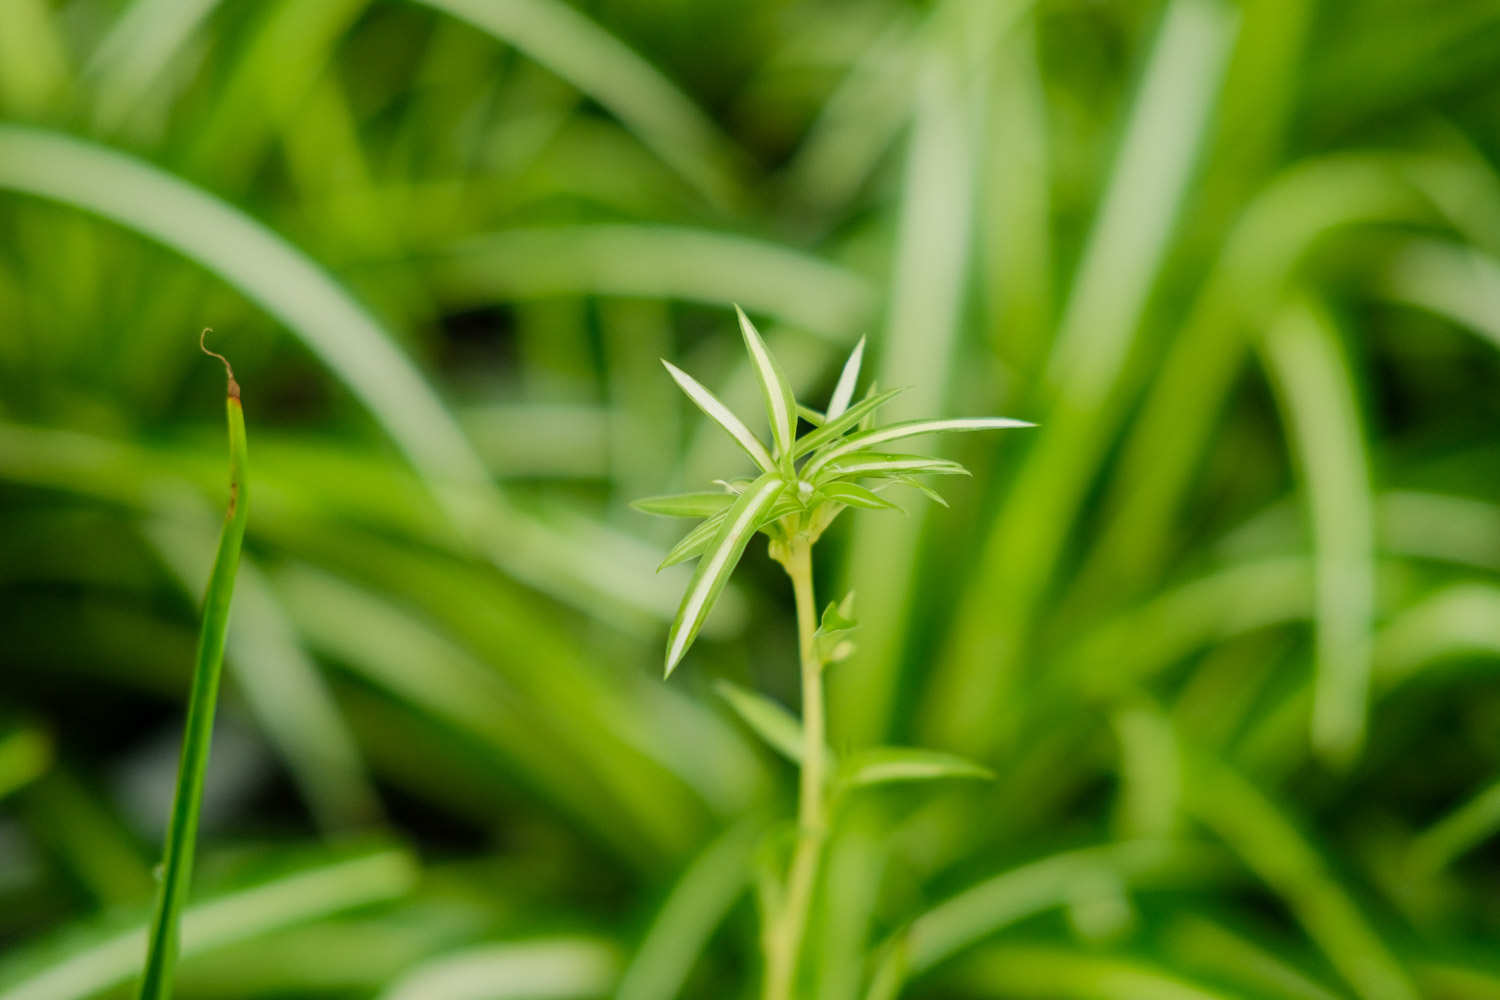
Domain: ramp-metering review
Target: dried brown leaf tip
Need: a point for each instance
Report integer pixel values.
(234, 387)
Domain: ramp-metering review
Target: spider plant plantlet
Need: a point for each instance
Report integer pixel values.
(799, 487)
(187, 801)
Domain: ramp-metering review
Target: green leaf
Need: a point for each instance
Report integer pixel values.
(883, 765)
(811, 415)
(834, 428)
(865, 463)
(781, 405)
(182, 831)
(769, 719)
(718, 563)
(722, 415)
(843, 392)
(854, 495)
(684, 504)
(838, 617)
(921, 488)
(692, 544)
(907, 428)
(831, 638)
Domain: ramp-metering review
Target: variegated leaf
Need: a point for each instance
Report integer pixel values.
(843, 392)
(835, 428)
(874, 463)
(692, 544)
(718, 562)
(722, 415)
(865, 440)
(781, 405)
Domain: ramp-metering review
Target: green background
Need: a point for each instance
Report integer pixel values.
(1225, 625)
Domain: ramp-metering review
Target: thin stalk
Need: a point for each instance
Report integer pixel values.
(786, 932)
(187, 802)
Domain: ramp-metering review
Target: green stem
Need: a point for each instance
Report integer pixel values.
(187, 802)
(788, 928)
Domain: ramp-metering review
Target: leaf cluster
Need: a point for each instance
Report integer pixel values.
(802, 481)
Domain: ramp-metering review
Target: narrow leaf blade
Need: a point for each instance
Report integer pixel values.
(835, 427)
(684, 504)
(722, 415)
(854, 495)
(843, 392)
(884, 765)
(874, 463)
(768, 719)
(908, 428)
(692, 544)
(718, 563)
(781, 405)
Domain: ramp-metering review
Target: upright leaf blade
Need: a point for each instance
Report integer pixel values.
(722, 415)
(843, 392)
(718, 562)
(781, 405)
(908, 428)
(187, 802)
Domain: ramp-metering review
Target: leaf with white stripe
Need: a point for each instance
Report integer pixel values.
(874, 463)
(781, 405)
(843, 392)
(865, 440)
(722, 415)
(835, 428)
(692, 544)
(684, 504)
(718, 563)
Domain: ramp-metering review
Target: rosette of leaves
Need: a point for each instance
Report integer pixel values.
(801, 482)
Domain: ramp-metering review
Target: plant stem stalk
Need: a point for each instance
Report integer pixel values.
(787, 930)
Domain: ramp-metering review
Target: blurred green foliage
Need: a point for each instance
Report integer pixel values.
(1225, 625)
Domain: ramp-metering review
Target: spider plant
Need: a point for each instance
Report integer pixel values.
(801, 484)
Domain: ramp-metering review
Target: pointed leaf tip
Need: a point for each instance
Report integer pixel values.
(722, 415)
(843, 392)
(719, 559)
(781, 404)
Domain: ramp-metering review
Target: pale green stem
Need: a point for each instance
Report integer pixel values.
(784, 938)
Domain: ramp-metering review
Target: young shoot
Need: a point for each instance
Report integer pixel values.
(798, 487)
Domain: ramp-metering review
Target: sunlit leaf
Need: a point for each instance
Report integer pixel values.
(781, 405)
(723, 416)
(718, 562)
